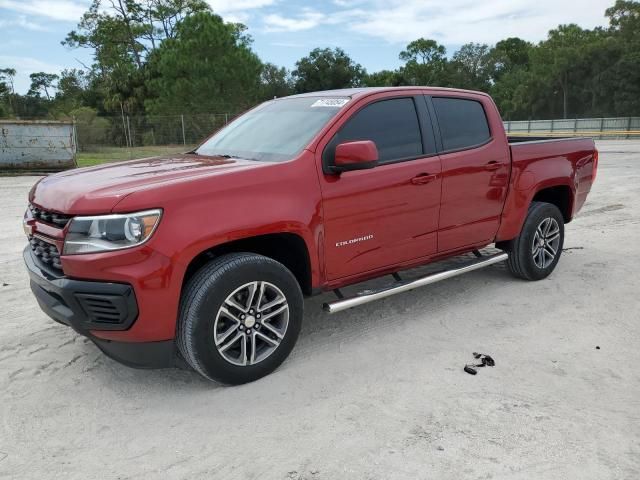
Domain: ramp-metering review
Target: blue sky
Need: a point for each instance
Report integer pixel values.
(372, 32)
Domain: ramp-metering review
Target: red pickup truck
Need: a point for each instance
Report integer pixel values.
(204, 258)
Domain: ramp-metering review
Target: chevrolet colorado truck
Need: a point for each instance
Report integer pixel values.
(204, 258)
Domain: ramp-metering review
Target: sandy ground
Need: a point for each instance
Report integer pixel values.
(373, 393)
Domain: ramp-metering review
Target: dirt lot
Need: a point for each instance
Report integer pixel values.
(373, 393)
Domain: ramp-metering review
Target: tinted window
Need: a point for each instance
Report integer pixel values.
(391, 124)
(463, 123)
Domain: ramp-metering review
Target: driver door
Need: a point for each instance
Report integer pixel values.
(389, 214)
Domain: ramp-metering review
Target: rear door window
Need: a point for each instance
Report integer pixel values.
(463, 123)
(391, 124)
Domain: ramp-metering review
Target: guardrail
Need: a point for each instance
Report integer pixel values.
(621, 127)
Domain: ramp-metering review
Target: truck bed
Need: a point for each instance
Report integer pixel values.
(535, 159)
(571, 149)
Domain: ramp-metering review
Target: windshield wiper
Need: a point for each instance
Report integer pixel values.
(223, 155)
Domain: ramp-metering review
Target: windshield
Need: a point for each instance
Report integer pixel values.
(274, 131)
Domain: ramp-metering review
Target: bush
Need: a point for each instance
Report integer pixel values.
(91, 130)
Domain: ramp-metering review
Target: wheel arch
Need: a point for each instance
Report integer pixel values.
(556, 191)
(287, 248)
(559, 195)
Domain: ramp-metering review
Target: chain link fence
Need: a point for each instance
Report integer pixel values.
(125, 137)
(97, 133)
(99, 139)
(600, 128)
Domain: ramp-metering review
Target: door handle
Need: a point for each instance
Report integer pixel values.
(493, 165)
(423, 178)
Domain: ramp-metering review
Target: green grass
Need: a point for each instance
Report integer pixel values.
(117, 154)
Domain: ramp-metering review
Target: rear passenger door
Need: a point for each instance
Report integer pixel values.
(475, 171)
(389, 214)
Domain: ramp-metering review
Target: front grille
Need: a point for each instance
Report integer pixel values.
(109, 309)
(57, 219)
(46, 252)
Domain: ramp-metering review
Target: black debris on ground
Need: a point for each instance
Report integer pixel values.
(485, 361)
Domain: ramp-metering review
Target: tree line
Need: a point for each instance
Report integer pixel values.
(163, 57)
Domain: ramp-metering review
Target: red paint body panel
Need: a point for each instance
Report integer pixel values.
(356, 152)
(356, 225)
(474, 187)
(540, 165)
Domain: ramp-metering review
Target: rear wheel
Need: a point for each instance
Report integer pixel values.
(240, 317)
(534, 254)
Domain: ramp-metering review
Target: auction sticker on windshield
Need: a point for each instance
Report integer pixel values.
(330, 102)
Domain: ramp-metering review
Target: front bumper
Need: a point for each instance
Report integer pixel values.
(88, 306)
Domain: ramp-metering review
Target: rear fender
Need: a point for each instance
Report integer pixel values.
(521, 193)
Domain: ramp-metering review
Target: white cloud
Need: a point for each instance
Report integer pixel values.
(306, 21)
(22, 22)
(236, 17)
(225, 6)
(349, 3)
(24, 67)
(462, 21)
(63, 10)
(238, 11)
(453, 23)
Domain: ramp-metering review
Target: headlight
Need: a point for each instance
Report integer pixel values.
(110, 232)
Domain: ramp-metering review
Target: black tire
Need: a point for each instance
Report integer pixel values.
(202, 299)
(522, 263)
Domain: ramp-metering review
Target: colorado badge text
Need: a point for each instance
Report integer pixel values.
(354, 240)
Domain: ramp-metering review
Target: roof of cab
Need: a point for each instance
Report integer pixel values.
(363, 91)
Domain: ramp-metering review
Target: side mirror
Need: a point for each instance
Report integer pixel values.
(358, 155)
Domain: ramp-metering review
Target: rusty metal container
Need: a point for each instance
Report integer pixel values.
(37, 145)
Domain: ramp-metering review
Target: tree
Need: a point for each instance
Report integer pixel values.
(72, 83)
(7, 91)
(327, 69)
(42, 82)
(425, 63)
(122, 36)
(207, 67)
(624, 81)
(113, 34)
(165, 15)
(470, 67)
(424, 51)
(169, 56)
(274, 82)
(118, 51)
(7, 76)
(507, 56)
(621, 81)
(385, 78)
(556, 58)
(624, 18)
(511, 82)
(72, 92)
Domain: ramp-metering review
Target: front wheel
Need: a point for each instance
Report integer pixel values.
(240, 317)
(534, 254)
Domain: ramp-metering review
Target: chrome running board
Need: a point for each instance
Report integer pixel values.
(369, 295)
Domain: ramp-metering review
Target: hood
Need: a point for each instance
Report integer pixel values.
(98, 189)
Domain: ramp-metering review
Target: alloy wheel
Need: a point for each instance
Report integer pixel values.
(251, 323)
(546, 242)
